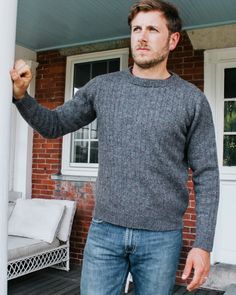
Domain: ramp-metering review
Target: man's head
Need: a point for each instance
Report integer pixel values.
(155, 31)
(169, 12)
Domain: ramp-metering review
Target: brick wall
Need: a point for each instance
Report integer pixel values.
(82, 193)
(50, 84)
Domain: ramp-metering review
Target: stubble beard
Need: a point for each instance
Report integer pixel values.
(147, 63)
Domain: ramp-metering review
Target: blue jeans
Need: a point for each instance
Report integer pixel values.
(112, 251)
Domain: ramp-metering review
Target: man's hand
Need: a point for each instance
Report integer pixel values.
(21, 76)
(199, 260)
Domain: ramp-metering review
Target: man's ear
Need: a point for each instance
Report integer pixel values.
(174, 39)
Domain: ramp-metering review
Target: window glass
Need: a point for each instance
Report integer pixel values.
(94, 130)
(99, 68)
(81, 75)
(229, 151)
(80, 154)
(82, 133)
(114, 65)
(230, 116)
(94, 152)
(230, 83)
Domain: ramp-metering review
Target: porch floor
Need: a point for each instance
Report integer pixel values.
(56, 282)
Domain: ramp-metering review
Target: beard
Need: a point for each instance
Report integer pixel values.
(146, 62)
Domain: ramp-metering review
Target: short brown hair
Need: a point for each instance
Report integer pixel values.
(170, 12)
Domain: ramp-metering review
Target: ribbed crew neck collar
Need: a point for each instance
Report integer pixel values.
(149, 82)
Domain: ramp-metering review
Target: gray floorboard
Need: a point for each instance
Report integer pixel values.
(56, 282)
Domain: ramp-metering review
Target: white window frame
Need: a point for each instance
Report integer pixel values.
(215, 61)
(85, 169)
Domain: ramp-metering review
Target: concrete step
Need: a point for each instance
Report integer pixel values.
(221, 277)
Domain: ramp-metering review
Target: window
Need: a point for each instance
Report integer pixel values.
(229, 155)
(84, 142)
(80, 149)
(220, 89)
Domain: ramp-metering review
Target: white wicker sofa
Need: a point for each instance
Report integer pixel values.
(38, 235)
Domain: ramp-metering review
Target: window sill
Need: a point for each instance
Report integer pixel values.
(73, 178)
(228, 173)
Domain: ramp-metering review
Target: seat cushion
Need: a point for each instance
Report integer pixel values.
(19, 247)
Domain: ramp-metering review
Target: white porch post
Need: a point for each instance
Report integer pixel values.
(23, 143)
(8, 10)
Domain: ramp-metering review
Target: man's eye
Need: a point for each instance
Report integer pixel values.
(136, 29)
(153, 30)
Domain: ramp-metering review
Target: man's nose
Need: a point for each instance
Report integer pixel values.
(143, 37)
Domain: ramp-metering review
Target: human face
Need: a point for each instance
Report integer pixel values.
(151, 40)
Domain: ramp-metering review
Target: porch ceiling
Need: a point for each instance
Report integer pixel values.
(49, 24)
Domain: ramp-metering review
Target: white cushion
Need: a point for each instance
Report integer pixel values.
(65, 225)
(36, 220)
(19, 247)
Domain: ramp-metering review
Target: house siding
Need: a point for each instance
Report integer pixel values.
(50, 86)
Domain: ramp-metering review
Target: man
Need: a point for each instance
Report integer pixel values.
(153, 126)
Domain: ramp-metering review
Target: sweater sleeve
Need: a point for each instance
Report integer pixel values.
(67, 118)
(202, 157)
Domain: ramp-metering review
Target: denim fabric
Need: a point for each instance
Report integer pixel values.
(112, 251)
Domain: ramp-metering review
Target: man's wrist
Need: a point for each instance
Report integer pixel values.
(18, 97)
(199, 248)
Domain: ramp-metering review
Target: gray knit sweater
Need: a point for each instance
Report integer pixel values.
(150, 132)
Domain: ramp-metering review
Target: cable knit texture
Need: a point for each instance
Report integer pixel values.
(150, 132)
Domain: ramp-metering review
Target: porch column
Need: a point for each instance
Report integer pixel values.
(23, 142)
(8, 10)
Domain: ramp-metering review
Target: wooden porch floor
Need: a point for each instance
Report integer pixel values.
(56, 282)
